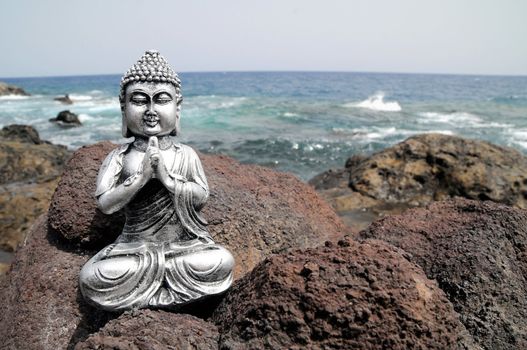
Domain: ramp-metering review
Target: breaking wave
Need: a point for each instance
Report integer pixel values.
(376, 102)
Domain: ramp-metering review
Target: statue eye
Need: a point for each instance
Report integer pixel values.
(139, 99)
(163, 98)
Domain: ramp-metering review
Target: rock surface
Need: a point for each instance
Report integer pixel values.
(252, 211)
(41, 305)
(64, 99)
(477, 252)
(423, 169)
(73, 211)
(154, 330)
(20, 133)
(343, 296)
(66, 118)
(6, 89)
(29, 172)
(335, 296)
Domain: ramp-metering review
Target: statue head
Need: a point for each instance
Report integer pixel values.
(150, 98)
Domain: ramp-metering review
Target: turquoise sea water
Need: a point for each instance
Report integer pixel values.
(302, 123)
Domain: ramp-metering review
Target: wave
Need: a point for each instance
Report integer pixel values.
(214, 102)
(289, 114)
(83, 117)
(377, 133)
(376, 102)
(14, 97)
(450, 117)
(76, 97)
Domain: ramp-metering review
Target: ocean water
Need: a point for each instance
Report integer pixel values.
(296, 122)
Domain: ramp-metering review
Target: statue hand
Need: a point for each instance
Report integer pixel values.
(150, 160)
(152, 152)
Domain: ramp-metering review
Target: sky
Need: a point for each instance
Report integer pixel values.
(74, 37)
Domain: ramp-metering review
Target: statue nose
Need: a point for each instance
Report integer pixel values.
(150, 111)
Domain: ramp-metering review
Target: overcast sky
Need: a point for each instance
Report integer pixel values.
(72, 37)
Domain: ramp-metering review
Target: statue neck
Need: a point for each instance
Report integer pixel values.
(141, 143)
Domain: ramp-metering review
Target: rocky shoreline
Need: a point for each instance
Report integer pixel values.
(7, 89)
(420, 170)
(448, 273)
(29, 172)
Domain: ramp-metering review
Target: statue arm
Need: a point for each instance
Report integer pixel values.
(200, 187)
(195, 178)
(116, 198)
(110, 196)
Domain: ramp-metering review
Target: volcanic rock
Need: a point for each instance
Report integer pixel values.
(73, 211)
(64, 99)
(422, 169)
(252, 211)
(6, 89)
(66, 118)
(29, 171)
(41, 305)
(20, 133)
(154, 330)
(343, 296)
(477, 252)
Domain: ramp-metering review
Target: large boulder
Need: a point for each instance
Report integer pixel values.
(7, 89)
(29, 172)
(422, 169)
(41, 305)
(252, 211)
(24, 158)
(335, 296)
(153, 330)
(477, 252)
(339, 296)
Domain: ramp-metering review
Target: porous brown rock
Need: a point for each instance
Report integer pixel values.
(249, 211)
(41, 305)
(29, 172)
(153, 330)
(422, 169)
(477, 252)
(344, 296)
(253, 211)
(23, 157)
(73, 212)
(7, 89)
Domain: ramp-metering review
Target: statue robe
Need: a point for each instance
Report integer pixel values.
(165, 256)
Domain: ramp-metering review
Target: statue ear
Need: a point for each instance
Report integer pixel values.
(175, 132)
(124, 128)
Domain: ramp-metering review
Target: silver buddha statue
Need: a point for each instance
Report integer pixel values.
(164, 257)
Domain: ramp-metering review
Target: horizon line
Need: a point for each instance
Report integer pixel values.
(281, 71)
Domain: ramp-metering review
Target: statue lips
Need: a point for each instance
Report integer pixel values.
(151, 120)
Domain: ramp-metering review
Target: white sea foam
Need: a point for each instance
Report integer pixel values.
(372, 134)
(75, 97)
(518, 134)
(85, 117)
(444, 132)
(450, 118)
(14, 97)
(289, 114)
(376, 102)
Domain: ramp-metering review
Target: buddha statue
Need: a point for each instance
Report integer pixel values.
(164, 257)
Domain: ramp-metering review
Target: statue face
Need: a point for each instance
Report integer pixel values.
(150, 109)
